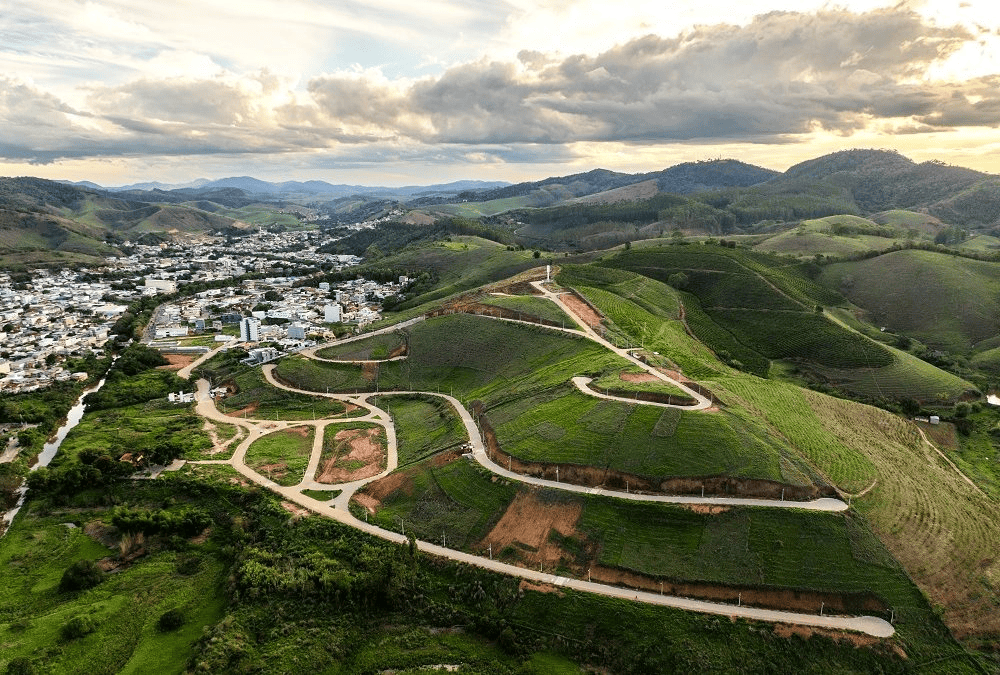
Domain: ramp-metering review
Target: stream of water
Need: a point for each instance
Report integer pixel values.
(49, 451)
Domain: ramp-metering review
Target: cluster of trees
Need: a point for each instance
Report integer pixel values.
(186, 522)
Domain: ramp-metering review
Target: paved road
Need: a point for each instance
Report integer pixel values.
(338, 508)
(310, 352)
(583, 384)
(703, 402)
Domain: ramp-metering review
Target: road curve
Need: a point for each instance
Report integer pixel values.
(583, 384)
(338, 509)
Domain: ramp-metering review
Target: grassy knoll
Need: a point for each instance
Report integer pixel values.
(474, 357)
(567, 426)
(371, 348)
(761, 548)
(283, 455)
(123, 609)
(424, 425)
(530, 306)
(944, 300)
(615, 381)
(264, 401)
(836, 236)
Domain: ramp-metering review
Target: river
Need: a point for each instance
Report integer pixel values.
(49, 451)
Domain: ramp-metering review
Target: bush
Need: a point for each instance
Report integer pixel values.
(172, 619)
(77, 627)
(20, 665)
(81, 575)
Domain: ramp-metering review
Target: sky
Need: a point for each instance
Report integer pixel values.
(385, 92)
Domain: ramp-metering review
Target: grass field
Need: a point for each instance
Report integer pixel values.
(136, 429)
(372, 348)
(614, 381)
(424, 425)
(265, 401)
(946, 301)
(530, 306)
(570, 427)
(742, 547)
(282, 455)
(124, 608)
(473, 357)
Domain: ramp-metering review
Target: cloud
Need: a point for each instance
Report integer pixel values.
(782, 76)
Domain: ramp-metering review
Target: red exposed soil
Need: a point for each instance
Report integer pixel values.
(526, 585)
(582, 310)
(770, 598)
(526, 525)
(401, 350)
(637, 377)
(785, 630)
(294, 509)
(177, 361)
(362, 445)
(708, 509)
(369, 371)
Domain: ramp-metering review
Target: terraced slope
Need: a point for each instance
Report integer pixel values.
(949, 302)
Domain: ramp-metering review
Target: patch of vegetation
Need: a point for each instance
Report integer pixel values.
(372, 348)
(425, 425)
(265, 401)
(282, 455)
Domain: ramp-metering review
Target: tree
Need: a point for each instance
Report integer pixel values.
(81, 575)
(272, 296)
(537, 254)
(678, 280)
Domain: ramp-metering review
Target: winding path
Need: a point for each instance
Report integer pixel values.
(337, 508)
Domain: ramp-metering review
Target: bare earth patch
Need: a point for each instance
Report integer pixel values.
(708, 509)
(785, 630)
(638, 377)
(218, 445)
(581, 310)
(273, 471)
(526, 585)
(364, 449)
(294, 509)
(526, 525)
(375, 492)
(177, 361)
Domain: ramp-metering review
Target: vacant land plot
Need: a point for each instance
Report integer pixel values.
(529, 307)
(255, 397)
(424, 425)
(376, 347)
(283, 455)
(351, 452)
(649, 441)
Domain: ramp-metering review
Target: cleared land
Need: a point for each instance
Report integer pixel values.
(351, 452)
(256, 398)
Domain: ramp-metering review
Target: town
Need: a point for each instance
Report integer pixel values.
(47, 316)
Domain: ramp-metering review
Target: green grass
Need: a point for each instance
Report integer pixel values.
(286, 452)
(371, 348)
(530, 306)
(449, 502)
(945, 301)
(424, 426)
(125, 606)
(266, 401)
(613, 381)
(578, 429)
(337, 450)
(472, 357)
(136, 429)
(322, 495)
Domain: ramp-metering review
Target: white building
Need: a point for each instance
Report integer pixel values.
(250, 330)
(297, 331)
(332, 313)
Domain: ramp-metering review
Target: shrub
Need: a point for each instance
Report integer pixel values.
(81, 575)
(77, 627)
(20, 665)
(172, 619)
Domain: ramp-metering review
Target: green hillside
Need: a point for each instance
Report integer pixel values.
(946, 301)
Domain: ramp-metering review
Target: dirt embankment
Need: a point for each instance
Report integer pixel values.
(583, 310)
(592, 476)
(372, 494)
(526, 528)
(769, 598)
(177, 361)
